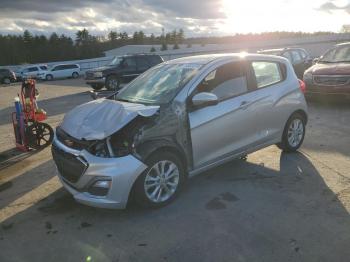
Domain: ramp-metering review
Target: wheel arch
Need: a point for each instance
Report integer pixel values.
(300, 112)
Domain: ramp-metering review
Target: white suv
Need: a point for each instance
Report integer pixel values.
(31, 71)
(174, 121)
(61, 71)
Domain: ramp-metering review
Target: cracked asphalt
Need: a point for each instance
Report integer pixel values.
(271, 207)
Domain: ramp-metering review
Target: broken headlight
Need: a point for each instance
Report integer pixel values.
(99, 149)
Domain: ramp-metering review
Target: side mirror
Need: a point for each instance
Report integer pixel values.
(204, 99)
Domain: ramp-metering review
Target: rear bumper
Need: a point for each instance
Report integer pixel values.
(95, 81)
(122, 172)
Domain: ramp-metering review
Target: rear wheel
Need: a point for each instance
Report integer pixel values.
(293, 134)
(6, 80)
(160, 183)
(112, 83)
(49, 77)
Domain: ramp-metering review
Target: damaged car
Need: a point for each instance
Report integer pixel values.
(174, 121)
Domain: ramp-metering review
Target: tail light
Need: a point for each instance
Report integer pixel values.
(302, 86)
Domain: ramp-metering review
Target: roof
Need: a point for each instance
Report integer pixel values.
(277, 50)
(205, 59)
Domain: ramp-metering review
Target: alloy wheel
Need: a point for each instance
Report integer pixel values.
(295, 132)
(161, 181)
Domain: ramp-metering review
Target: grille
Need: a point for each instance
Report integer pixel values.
(331, 80)
(69, 166)
(89, 75)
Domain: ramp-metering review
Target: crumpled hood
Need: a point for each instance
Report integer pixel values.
(101, 118)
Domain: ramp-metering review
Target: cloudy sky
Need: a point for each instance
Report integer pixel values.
(196, 17)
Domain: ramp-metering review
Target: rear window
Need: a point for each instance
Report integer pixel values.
(266, 73)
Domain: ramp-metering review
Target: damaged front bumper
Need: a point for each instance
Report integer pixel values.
(96, 181)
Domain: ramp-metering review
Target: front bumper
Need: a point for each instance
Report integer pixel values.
(95, 81)
(122, 172)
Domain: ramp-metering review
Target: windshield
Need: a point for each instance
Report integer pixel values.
(336, 55)
(116, 61)
(158, 85)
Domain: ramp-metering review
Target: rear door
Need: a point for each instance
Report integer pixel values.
(298, 64)
(129, 69)
(142, 64)
(269, 82)
(226, 128)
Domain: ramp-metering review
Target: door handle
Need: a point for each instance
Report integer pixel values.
(244, 104)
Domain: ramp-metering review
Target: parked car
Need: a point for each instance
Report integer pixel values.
(7, 76)
(331, 73)
(299, 58)
(61, 71)
(176, 120)
(122, 69)
(30, 72)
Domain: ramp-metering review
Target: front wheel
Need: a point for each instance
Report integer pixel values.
(96, 87)
(293, 134)
(160, 183)
(112, 83)
(75, 75)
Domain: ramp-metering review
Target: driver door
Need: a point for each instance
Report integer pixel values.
(220, 130)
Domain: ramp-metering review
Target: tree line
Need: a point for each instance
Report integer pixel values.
(29, 48)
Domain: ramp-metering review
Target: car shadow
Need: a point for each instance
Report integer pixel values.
(241, 209)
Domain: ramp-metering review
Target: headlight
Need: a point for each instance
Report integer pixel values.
(98, 74)
(307, 76)
(99, 149)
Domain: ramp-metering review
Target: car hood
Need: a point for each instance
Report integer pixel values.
(101, 118)
(331, 69)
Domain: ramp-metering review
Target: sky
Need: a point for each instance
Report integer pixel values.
(195, 17)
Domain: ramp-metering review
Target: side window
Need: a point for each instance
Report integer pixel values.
(296, 57)
(288, 56)
(58, 68)
(266, 73)
(43, 67)
(142, 64)
(32, 69)
(226, 81)
(154, 60)
(130, 63)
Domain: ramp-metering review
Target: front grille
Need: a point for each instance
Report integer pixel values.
(331, 80)
(70, 141)
(70, 167)
(89, 75)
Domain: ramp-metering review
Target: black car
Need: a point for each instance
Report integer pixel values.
(122, 69)
(7, 76)
(299, 58)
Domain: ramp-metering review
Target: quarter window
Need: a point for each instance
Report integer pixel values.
(226, 81)
(266, 73)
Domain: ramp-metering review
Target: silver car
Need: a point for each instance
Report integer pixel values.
(176, 120)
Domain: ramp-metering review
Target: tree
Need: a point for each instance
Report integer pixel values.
(112, 36)
(164, 47)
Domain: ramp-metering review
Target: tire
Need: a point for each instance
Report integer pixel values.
(96, 87)
(75, 75)
(6, 80)
(149, 178)
(49, 77)
(112, 83)
(293, 133)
